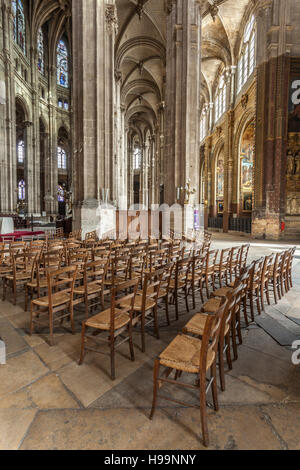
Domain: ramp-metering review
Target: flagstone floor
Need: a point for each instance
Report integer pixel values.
(48, 401)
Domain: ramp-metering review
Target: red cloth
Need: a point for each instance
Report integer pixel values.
(19, 235)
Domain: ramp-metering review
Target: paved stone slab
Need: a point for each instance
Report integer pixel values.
(281, 334)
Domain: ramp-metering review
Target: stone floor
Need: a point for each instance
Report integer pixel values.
(47, 401)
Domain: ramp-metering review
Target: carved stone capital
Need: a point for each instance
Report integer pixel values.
(111, 19)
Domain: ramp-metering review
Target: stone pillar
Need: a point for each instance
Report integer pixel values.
(273, 66)
(94, 29)
(8, 158)
(51, 188)
(183, 68)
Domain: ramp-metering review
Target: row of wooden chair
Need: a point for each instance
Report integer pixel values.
(209, 334)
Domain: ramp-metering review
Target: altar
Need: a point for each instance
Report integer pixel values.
(6, 225)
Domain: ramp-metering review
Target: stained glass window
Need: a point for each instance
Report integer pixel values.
(61, 158)
(21, 151)
(66, 105)
(21, 190)
(19, 24)
(41, 53)
(247, 59)
(60, 193)
(60, 103)
(62, 64)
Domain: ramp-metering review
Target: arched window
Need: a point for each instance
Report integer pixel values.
(203, 124)
(60, 193)
(21, 190)
(62, 64)
(220, 182)
(61, 158)
(19, 24)
(247, 58)
(41, 52)
(220, 101)
(60, 103)
(246, 168)
(21, 151)
(137, 159)
(66, 105)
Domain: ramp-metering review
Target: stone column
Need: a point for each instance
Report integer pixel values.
(273, 64)
(51, 191)
(94, 29)
(183, 68)
(8, 158)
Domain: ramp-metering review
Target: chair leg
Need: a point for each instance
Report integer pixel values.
(167, 309)
(156, 322)
(214, 388)
(186, 300)
(233, 339)
(143, 332)
(193, 294)
(82, 351)
(203, 410)
(228, 352)
(155, 386)
(31, 320)
(176, 304)
(221, 365)
(112, 357)
(26, 298)
(51, 328)
(72, 319)
(131, 348)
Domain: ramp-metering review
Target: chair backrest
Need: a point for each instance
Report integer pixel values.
(211, 334)
(211, 258)
(116, 300)
(267, 267)
(23, 263)
(256, 273)
(225, 259)
(182, 271)
(291, 257)
(95, 271)
(244, 255)
(62, 281)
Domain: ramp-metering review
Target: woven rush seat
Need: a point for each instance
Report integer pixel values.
(173, 285)
(222, 292)
(57, 299)
(183, 353)
(138, 302)
(196, 325)
(212, 305)
(43, 283)
(19, 276)
(92, 288)
(102, 320)
(117, 280)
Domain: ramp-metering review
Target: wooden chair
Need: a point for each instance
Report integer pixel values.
(254, 287)
(186, 354)
(284, 272)
(243, 257)
(265, 280)
(181, 282)
(275, 277)
(197, 324)
(93, 287)
(221, 269)
(197, 277)
(234, 263)
(21, 273)
(59, 299)
(38, 281)
(145, 305)
(209, 275)
(290, 267)
(112, 322)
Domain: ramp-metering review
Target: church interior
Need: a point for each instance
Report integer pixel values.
(149, 225)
